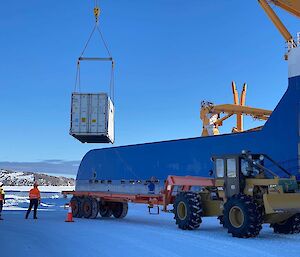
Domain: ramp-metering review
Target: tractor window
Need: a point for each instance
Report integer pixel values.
(245, 167)
(231, 168)
(220, 168)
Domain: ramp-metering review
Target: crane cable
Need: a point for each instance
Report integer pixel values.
(97, 28)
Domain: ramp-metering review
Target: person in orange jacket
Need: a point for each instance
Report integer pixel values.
(35, 198)
(2, 199)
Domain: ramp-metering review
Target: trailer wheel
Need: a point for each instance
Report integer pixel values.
(104, 210)
(75, 205)
(120, 210)
(289, 226)
(187, 210)
(95, 208)
(242, 216)
(87, 207)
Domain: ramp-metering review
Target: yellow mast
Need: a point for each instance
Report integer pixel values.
(239, 116)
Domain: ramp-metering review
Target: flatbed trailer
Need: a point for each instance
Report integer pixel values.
(164, 198)
(243, 194)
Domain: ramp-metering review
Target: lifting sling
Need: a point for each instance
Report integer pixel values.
(81, 58)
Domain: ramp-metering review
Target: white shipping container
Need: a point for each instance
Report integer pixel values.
(92, 118)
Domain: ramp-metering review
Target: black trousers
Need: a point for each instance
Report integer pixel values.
(1, 206)
(33, 203)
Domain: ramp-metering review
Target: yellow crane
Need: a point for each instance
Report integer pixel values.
(291, 6)
(212, 115)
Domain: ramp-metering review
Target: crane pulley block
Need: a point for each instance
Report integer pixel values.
(97, 13)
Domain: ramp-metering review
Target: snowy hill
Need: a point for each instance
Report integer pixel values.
(12, 178)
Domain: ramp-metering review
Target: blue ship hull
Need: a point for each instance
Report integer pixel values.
(127, 168)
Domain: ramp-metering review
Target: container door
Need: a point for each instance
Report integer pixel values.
(102, 112)
(84, 113)
(93, 117)
(75, 115)
(111, 122)
(298, 164)
(232, 185)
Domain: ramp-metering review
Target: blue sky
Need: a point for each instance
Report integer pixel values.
(170, 55)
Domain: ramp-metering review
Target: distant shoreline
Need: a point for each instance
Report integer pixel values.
(43, 189)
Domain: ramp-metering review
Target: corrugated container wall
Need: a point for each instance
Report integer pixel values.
(92, 118)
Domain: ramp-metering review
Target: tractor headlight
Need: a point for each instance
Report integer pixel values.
(273, 187)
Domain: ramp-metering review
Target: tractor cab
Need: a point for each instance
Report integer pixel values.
(235, 169)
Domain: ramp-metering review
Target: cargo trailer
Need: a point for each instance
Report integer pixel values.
(241, 195)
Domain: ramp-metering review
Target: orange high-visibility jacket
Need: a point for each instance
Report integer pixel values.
(1, 194)
(34, 193)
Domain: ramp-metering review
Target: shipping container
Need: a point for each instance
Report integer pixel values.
(92, 118)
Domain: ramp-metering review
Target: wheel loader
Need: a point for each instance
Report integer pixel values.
(248, 191)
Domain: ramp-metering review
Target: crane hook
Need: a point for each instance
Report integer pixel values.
(97, 13)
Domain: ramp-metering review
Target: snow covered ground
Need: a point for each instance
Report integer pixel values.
(139, 234)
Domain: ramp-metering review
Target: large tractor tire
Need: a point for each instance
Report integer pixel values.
(87, 207)
(76, 206)
(187, 210)
(120, 210)
(104, 210)
(242, 216)
(289, 226)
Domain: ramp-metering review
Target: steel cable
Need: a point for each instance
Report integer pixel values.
(77, 80)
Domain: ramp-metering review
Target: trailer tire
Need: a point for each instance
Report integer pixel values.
(104, 210)
(187, 210)
(289, 226)
(75, 205)
(95, 208)
(242, 216)
(120, 210)
(87, 207)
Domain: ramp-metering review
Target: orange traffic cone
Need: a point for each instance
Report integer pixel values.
(69, 215)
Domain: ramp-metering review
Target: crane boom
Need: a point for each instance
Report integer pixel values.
(277, 22)
(291, 6)
(256, 113)
(210, 114)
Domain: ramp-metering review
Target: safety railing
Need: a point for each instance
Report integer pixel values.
(292, 165)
